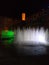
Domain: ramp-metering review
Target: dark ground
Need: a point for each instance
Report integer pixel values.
(14, 56)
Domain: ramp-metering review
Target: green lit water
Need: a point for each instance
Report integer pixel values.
(7, 34)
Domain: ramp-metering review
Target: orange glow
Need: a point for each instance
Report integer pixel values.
(23, 16)
(6, 28)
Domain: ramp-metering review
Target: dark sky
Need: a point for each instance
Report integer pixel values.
(16, 7)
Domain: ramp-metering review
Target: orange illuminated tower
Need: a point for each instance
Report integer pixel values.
(23, 16)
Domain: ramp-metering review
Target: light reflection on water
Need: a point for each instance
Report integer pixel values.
(34, 50)
(36, 37)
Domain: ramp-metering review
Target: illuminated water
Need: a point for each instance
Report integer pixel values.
(32, 36)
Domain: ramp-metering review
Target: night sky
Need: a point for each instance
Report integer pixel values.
(16, 7)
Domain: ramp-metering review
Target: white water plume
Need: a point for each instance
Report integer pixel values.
(32, 36)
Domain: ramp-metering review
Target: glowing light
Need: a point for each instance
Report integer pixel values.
(9, 35)
(32, 36)
(40, 36)
(23, 16)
